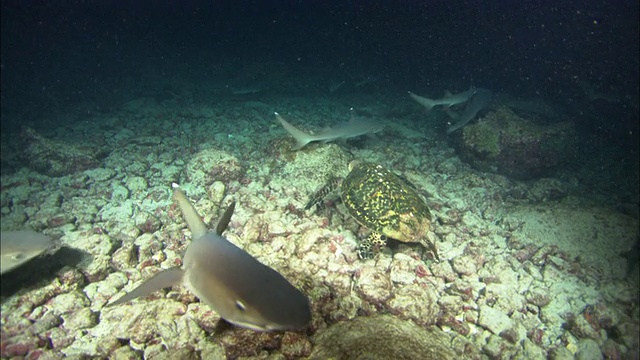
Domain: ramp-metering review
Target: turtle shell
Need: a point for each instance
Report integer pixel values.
(383, 202)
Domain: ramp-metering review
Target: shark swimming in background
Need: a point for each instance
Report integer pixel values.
(448, 100)
(352, 128)
(18, 247)
(238, 287)
(479, 100)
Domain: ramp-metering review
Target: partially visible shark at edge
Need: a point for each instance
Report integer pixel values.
(349, 129)
(18, 247)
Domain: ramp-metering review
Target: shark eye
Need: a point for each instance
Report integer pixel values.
(18, 257)
(240, 306)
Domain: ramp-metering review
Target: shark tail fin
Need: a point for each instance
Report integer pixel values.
(302, 138)
(426, 102)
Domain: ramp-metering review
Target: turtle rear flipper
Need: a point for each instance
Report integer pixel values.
(319, 195)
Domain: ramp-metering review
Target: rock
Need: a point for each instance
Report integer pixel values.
(581, 328)
(100, 174)
(537, 296)
(80, 319)
(59, 338)
(145, 320)
(247, 343)
(184, 353)
(136, 184)
(381, 337)
(507, 144)
(55, 158)
(119, 193)
(464, 265)
(373, 283)
(532, 350)
(497, 348)
(630, 334)
(295, 345)
(310, 168)
(415, 302)
(208, 166)
(124, 353)
(494, 320)
(100, 292)
(403, 269)
(118, 213)
(588, 349)
(18, 346)
(125, 257)
(216, 192)
(448, 167)
(560, 353)
(547, 189)
(611, 350)
(450, 304)
(69, 302)
(48, 321)
(99, 246)
(146, 222)
(444, 270)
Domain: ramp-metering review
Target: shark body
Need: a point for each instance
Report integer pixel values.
(242, 290)
(18, 247)
(479, 100)
(448, 100)
(352, 128)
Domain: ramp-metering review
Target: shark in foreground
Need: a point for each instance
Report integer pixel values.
(18, 247)
(238, 287)
(448, 100)
(352, 128)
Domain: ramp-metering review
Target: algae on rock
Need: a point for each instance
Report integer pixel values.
(507, 144)
(382, 337)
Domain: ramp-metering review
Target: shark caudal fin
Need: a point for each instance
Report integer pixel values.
(302, 138)
(426, 102)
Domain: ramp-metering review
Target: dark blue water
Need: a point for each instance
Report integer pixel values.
(81, 57)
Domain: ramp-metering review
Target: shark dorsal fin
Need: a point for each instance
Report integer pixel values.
(447, 94)
(223, 223)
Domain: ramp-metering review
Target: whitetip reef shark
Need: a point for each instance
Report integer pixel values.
(479, 100)
(18, 247)
(349, 129)
(238, 287)
(476, 99)
(448, 100)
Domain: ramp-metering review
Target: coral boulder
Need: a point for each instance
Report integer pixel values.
(507, 144)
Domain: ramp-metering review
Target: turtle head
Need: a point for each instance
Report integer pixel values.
(353, 164)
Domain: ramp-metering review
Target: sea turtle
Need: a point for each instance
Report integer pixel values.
(383, 202)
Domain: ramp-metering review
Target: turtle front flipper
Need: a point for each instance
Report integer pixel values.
(328, 188)
(368, 248)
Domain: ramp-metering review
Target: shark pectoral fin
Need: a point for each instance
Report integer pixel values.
(163, 279)
(223, 223)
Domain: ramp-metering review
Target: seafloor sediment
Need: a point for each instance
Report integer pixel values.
(529, 269)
